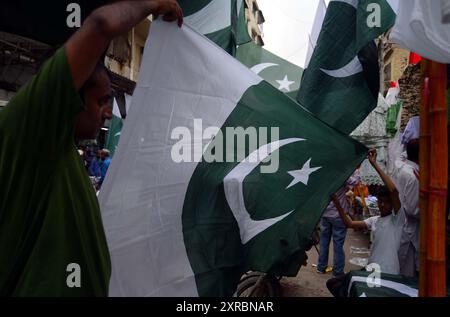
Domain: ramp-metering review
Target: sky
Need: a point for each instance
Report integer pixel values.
(287, 26)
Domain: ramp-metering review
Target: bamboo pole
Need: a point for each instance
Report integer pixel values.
(436, 220)
(424, 158)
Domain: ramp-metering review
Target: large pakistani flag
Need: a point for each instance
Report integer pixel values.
(217, 173)
(341, 84)
(222, 21)
(282, 74)
(113, 136)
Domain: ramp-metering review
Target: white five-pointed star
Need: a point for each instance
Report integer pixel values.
(285, 83)
(303, 174)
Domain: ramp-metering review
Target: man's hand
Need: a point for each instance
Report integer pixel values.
(86, 46)
(335, 200)
(372, 156)
(170, 10)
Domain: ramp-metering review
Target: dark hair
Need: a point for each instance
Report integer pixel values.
(412, 149)
(92, 80)
(383, 191)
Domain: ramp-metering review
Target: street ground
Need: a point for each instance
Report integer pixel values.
(309, 283)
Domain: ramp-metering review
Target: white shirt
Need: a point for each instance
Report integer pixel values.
(407, 182)
(387, 233)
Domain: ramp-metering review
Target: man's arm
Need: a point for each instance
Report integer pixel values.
(347, 221)
(87, 45)
(395, 196)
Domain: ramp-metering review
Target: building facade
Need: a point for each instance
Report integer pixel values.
(255, 20)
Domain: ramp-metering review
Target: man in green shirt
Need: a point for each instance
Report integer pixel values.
(52, 241)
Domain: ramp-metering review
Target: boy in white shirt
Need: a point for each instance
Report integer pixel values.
(386, 228)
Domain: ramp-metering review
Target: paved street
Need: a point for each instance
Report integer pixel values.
(308, 283)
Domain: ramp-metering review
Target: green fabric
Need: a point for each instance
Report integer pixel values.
(241, 32)
(401, 286)
(190, 7)
(224, 39)
(364, 289)
(342, 100)
(366, 34)
(211, 233)
(277, 68)
(113, 137)
(391, 121)
(229, 37)
(49, 214)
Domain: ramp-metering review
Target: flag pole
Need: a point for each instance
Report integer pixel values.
(424, 157)
(437, 191)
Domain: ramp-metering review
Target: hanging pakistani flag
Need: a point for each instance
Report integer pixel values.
(113, 136)
(280, 73)
(341, 84)
(218, 173)
(222, 21)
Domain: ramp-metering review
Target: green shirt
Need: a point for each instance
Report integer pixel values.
(49, 213)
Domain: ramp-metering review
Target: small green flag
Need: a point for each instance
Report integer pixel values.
(112, 139)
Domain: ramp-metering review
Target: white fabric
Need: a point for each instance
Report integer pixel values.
(183, 76)
(445, 11)
(128, 100)
(412, 130)
(238, 6)
(215, 16)
(374, 126)
(392, 95)
(408, 186)
(394, 5)
(386, 233)
(419, 28)
(352, 68)
(116, 111)
(315, 31)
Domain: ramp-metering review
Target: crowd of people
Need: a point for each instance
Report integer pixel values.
(395, 231)
(96, 164)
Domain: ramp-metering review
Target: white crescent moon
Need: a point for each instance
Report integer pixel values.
(352, 68)
(233, 186)
(260, 67)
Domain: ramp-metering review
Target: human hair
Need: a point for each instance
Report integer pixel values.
(384, 192)
(412, 150)
(106, 152)
(95, 76)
